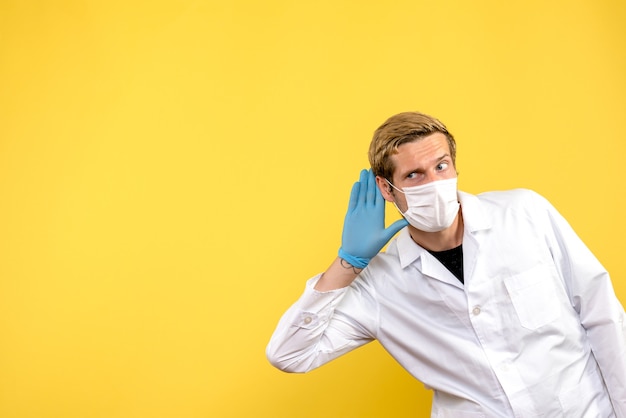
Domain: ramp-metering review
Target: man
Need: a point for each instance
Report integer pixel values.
(490, 300)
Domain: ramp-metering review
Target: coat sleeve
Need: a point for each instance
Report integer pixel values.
(317, 328)
(593, 297)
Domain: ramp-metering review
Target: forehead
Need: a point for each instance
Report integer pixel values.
(421, 153)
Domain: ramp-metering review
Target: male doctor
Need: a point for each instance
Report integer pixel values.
(491, 300)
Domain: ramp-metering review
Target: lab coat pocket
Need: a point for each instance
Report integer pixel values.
(534, 297)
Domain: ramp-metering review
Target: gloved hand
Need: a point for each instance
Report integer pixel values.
(364, 232)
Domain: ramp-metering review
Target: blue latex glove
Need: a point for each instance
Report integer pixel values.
(364, 232)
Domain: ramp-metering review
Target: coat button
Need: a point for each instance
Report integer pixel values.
(476, 310)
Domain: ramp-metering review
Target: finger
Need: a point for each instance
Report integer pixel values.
(363, 188)
(371, 188)
(354, 196)
(380, 200)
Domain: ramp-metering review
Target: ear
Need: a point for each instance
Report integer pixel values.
(385, 189)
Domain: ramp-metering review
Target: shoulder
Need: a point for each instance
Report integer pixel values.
(385, 264)
(515, 199)
(495, 207)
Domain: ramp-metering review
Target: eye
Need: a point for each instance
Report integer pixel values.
(442, 166)
(415, 175)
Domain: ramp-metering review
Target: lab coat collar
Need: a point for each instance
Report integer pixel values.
(474, 213)
(474, 219)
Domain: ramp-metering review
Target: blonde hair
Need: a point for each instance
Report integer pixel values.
(400, 129)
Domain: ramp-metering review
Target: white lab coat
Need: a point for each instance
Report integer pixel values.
(535, 331)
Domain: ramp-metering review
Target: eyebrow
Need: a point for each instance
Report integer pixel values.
(417, 170)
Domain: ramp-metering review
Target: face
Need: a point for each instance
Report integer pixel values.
(417, 163)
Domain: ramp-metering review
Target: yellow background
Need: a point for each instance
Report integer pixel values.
(171, 172)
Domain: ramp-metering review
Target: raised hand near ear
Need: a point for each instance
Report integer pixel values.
(364, 232)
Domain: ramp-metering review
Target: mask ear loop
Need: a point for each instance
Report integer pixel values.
(394, 200)
(391, 184)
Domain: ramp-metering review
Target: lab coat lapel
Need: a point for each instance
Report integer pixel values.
(428, 265)
(431, 267)
(475, 219)
(471, 247)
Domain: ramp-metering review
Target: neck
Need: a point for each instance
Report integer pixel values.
(447, 239)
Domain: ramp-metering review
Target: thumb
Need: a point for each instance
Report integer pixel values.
(394, 228)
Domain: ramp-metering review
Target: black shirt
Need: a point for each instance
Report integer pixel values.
(452, 260)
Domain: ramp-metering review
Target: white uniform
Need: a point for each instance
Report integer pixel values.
(535, 331)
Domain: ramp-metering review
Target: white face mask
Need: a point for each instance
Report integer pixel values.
(432, 207)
